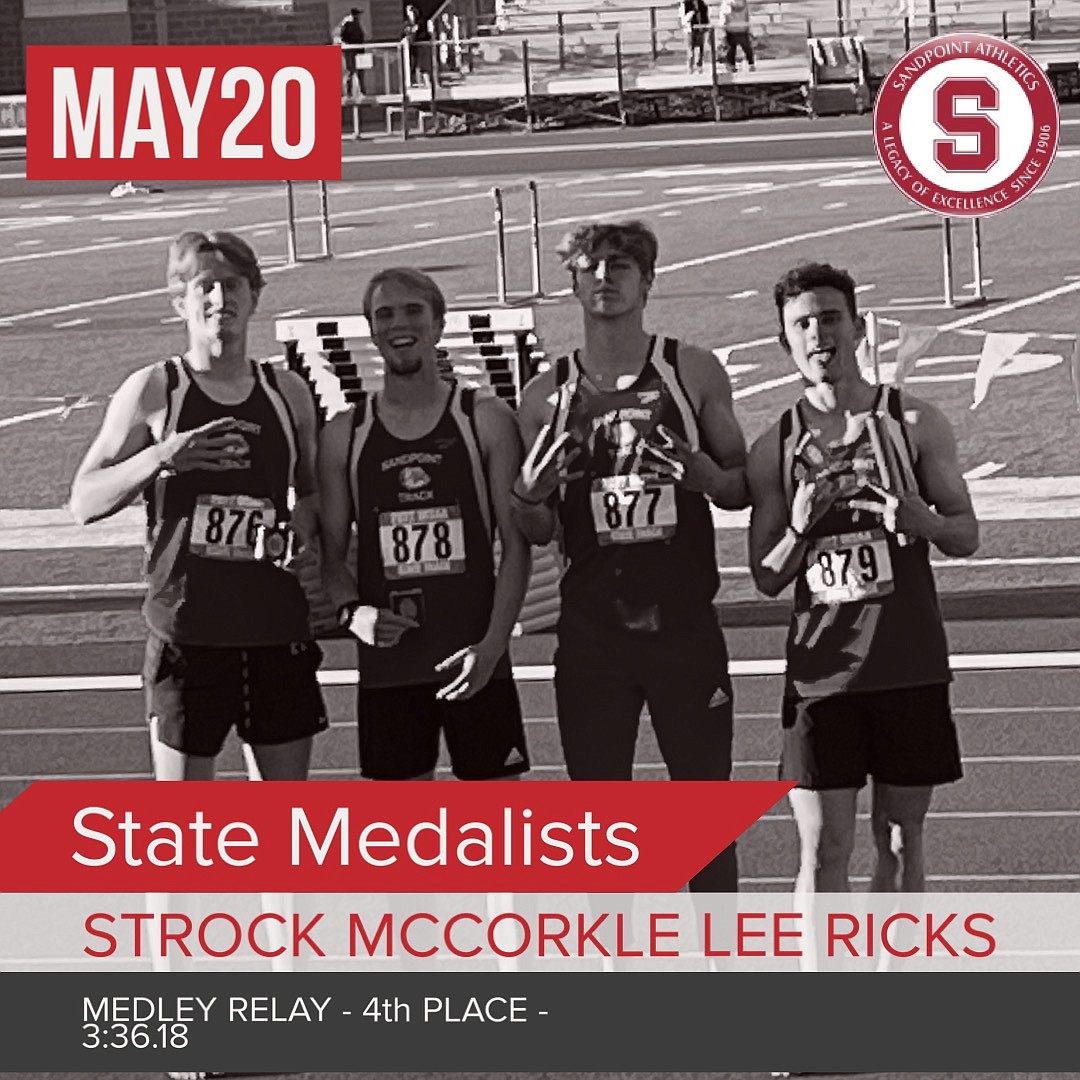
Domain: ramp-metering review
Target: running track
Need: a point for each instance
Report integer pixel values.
(1011, 824)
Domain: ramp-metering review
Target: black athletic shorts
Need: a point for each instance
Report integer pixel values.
(904, 737)
(399, 732)
(269, 693)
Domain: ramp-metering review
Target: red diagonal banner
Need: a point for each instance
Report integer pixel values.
(354, 837)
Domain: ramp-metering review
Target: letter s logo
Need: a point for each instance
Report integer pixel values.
(985, 95)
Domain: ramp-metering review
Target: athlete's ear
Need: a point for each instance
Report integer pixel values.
(783, 339)
(179, 304)
(255, 294)
(860, 328)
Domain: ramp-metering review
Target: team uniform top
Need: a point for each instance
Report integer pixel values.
(204, 584)
(640, 548)
(866, 613)
(425, 539)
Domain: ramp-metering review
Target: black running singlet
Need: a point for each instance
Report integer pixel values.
(425, 538)
(866, 613)
(204, 584)
(640, 547)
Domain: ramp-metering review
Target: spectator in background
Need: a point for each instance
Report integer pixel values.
(447, 37)
(695, 23)
(418, 34)
(735, 21)
(350, 35)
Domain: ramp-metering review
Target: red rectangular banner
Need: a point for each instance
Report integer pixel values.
(219, 112)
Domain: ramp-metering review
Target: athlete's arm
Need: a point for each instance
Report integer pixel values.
(719, 469)
(773, 540)
(305, 514)
(123, 458)
(531, 505)
(946, 517)
(371, 625)
(335, 510)
(500, 447)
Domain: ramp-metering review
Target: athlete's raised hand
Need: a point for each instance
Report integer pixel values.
(475, 665)
(217, 446)
(547, 464)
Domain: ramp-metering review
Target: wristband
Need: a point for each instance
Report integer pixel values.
(346, 612)
(795, 532)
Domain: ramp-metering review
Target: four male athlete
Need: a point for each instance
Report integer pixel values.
(426, 510)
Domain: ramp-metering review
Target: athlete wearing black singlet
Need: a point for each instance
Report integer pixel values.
(223, 451)
(422, 470)
(651, 439)
(849, 489)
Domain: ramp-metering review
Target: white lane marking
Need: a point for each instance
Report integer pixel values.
(751, 209)
(35, 684)
(484, 235)
(740, 718)
(834, 206)
(58, 410)
(744, 295)
(816, 137)
(987, 468)
(70, 322)
(954, 878)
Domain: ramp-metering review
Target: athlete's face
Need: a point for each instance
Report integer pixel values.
(822, 335)
(404, 327)
(609, 283)
(217, 302)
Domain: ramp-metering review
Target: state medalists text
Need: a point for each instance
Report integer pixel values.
(509, 839)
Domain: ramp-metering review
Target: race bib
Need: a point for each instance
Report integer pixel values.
(422, 543)
(227, 526)
(854, 566)
(633, 509)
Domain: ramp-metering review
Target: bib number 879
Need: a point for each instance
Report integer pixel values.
(836, 566)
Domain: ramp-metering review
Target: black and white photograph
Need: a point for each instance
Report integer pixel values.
(539, 391)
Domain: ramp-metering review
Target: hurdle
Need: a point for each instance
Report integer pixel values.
(497, 194)
(291, 248)
(949, 262)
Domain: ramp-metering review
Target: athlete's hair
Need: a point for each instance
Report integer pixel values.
(410, 279)
(811, 275)
(184, 250)
(633, 238)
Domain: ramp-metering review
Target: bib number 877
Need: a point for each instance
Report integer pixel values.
(619, 511)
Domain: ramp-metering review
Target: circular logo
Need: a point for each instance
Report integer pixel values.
(966, 125)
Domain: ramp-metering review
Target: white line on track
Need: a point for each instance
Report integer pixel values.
(545, 672)
(485, 234)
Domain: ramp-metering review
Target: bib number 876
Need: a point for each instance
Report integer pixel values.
(223, 523)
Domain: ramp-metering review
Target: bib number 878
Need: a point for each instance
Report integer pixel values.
(409, 548)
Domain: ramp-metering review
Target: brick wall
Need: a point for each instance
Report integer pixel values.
(12, 71)
(186, 22)
(232, 22)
